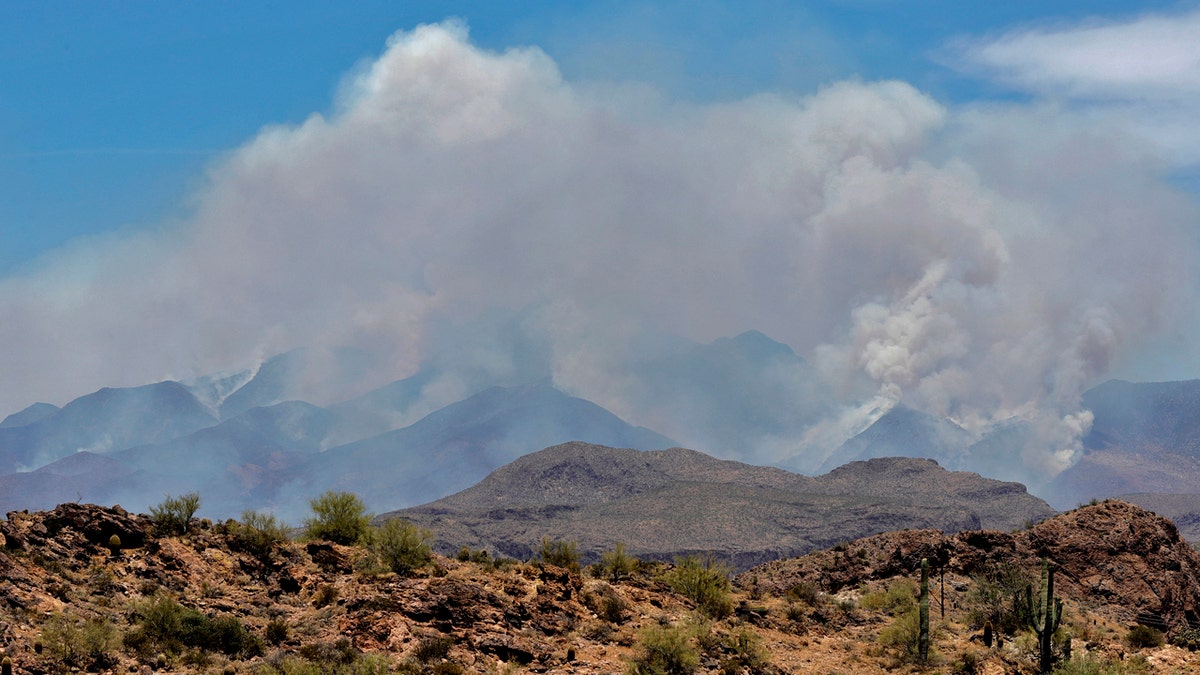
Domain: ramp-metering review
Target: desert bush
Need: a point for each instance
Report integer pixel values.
(400, 545)
(1089, 664)
(704, 581)
(606, 603)
(340, 517)
(338, 652)
(1188, 638)
(795, 613)
(102, 580)
(560, 553)
(808, 594)
(276, 631)
(990, 598)
(615, 564)
(899, 597)
(167, 626)
(465, 554)
(287, 664)
(903, 634)
(968, 663)
(1140, 637)
(663, 650)
(325, 595)
(90, 645)
(434, 648)
(173, 515)
(258, 533)
(745, 654)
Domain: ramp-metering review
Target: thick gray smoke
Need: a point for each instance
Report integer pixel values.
(980, 264)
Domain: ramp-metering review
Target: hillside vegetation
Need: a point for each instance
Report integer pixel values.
(224, 598)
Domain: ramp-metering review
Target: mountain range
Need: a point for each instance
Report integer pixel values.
(273, 437)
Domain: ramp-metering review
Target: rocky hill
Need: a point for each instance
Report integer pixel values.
(662, 504)
(211, 601)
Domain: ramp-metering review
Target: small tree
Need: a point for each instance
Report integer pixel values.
(400, 545)
(174, 514)
(340, 517)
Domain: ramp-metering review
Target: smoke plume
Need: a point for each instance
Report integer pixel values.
(981, 264)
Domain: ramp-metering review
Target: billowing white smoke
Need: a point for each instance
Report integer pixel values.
(980, 264)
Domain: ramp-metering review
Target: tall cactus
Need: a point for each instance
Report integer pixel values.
(923, 636)
(6, 666)
(1043, 615)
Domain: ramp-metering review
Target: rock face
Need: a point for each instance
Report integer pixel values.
(69, 522)
(1112, 553)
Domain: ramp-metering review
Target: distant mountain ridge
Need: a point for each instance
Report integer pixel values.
(671, 502)
(272, 436)
(274, 457)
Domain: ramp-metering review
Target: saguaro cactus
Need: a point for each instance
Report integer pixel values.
(6, 666)
(923, 635)
(1043, 615)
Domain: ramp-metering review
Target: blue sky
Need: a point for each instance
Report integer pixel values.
(977, 209)
(112, 111)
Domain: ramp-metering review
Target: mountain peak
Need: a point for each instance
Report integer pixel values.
(31, 414)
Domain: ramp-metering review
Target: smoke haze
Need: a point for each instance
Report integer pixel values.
(980, 264)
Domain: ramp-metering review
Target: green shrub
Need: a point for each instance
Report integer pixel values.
(606, 603)
(435, 648)
(704, 581)
(340, 651)
(664, 650)
(616, 564)
(401, 546)
(1088, 664)
(174, 514)
(367, 664)
(1188, 638)
(805, 593)
(559, 553)
(326, 595)
(167, 626)
(340, 517)
(1140, 637)
(990, 598)
(277, 631)
(259, 533)
(90, 645)
(745, 654)
(903, 634)
(899, 597)
(968, 663)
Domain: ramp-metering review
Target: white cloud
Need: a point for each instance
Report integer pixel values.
(1145, 70)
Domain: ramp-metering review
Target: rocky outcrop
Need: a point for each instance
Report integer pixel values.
(1110, 554)
(322, 604)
